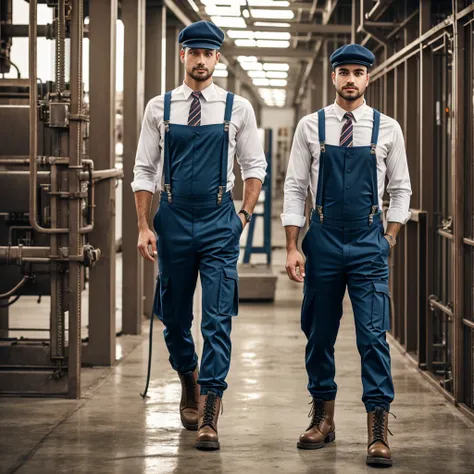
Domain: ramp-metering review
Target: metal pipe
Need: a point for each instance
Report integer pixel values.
(34, 121)
(22, 31)
(435, 303)
(469, 324)
(11, 254)
(100, 175)
(14, 289)
(445, 234)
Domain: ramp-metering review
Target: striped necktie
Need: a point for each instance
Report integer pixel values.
(194, 118)
(347, 136)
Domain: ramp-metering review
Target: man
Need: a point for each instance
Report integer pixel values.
(344, 152)
(187, 145)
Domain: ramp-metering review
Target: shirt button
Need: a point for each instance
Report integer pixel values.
(348, 187)
(349, 170)
(347, 202)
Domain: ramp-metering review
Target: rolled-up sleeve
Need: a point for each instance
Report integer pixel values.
(297, 179)
(399, 186)
(146, 170)
(248, 147)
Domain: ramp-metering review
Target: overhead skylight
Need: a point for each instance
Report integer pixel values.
(268, 3)
(245, 42)
(272, 44)
(272, 14)
(276, 66)
(221, 73)
(260, 35)
(261, 82)
(221, 66)
(229, 21)
(251, 66)
(276, 74)
(257, 74)
(278, 82)
(223, 11)
(224, 3)
(269, 23)
(246, 59)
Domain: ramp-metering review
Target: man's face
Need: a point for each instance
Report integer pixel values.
(350, 80)
(199, 63)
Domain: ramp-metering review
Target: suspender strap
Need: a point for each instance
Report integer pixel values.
(225, 146)
(322, 142)
(167, 157)
(373, 144)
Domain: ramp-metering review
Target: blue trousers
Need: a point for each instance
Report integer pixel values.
(352, 255)
(198, 236)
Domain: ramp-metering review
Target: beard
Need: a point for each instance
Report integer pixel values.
(200, 76)
(350, 96)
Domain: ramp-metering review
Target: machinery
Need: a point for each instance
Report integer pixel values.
(47, 202)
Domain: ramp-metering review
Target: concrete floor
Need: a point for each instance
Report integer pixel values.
(112, 430)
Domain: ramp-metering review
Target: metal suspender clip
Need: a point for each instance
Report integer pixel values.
(168, 191)
(226, 125)
(372, 214)
(220, 194)
(323, 147)
(320, 212)
(372, 148)
(166, 123)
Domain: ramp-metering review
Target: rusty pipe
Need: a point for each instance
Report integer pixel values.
(34, 121)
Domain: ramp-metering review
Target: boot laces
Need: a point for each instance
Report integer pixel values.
(317, 412)
(209, 410)
(379, 425)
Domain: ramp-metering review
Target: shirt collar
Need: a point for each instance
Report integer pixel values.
(207, 93)
(357, 113)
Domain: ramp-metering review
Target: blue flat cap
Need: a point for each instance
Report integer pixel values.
(202, 35)
(352, 54)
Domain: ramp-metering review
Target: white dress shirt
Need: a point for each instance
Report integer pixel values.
(303, 166)
(244, 140)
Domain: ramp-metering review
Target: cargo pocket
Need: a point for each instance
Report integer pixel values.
(381, 306)
(229, 292)
(166, 303)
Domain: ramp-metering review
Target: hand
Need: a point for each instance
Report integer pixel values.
(147, 239)
(295, 266)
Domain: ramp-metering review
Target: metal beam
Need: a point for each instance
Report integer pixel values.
(328, 11)
(314, 28)
(283, 53)
(133, 16)
(102, 27)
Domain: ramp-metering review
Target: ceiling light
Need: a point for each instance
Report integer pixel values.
(223, 11)
(276, 66)
(222, 66)
(277, 74)
(251, 66)
(273, 14)
(257, 74)
(269, 23)
(261, 82)
(245, 13)
(220, 73)
(278, 82)
(269, 35)
(243, 34)
(245, 42)
(273, 44)
(267, 3)
(246, 59)
(226, 3)
(229, 21)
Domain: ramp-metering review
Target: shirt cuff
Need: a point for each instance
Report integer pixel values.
(397, 215)
(293, 219)
(143, 185)
(258, 173)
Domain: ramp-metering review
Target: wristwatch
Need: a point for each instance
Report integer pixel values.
(248, 217)
(391, 240)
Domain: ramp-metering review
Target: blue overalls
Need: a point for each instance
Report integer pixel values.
(198, 230)
(345, 246)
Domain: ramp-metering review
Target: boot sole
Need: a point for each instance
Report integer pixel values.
(328, 439)
(189, 426)
(375, 461)
(208, 445)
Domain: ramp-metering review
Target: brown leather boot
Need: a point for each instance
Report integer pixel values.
(188, 408)
(209, 407)
(378, 451)
(322, 428)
